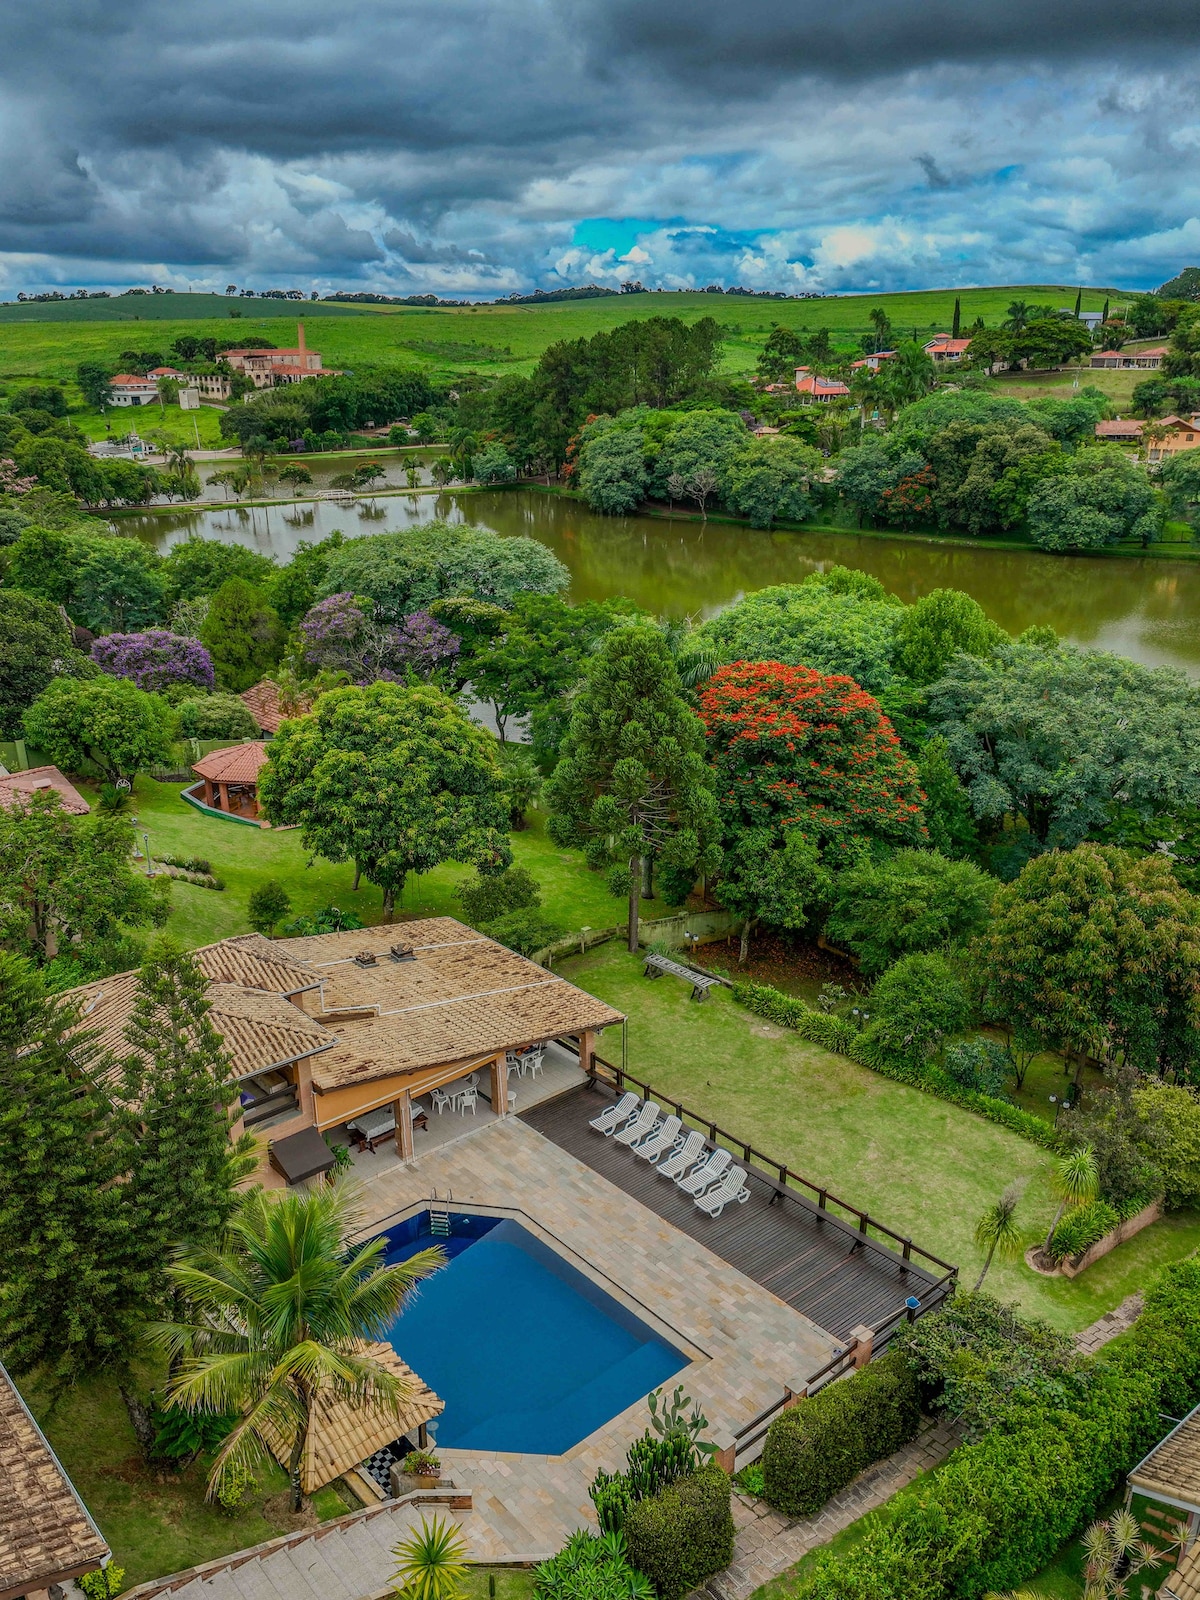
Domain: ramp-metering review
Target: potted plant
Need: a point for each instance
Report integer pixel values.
(424, 1466)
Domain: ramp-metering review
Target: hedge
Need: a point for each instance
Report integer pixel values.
(998, 1510)
(682, 1536)
(842, 1037)
(814, 1449)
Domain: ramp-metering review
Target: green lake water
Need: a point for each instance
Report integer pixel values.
(1145, 608)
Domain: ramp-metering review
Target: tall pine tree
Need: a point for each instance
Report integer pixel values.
(178, 1088)
(74, 1286)
(632, 784)
(956, 328)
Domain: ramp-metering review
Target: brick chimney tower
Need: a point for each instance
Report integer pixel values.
(302, 347)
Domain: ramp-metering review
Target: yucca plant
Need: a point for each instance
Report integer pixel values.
(279, 1311)
(431, 1563)
(1075, 1181)
(997, 1231)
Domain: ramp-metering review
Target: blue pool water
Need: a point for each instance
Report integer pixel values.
(527, 1353)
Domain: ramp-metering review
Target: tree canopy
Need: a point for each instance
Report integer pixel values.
(243, 635)
(396, 780)
(107, 720)
(912, 901)
(36, 646)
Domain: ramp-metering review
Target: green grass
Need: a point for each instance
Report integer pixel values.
(245, 857)
(50, 340)
(153, 422)
(155, 1522)
(922, 1166)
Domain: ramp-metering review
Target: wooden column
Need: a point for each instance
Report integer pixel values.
(223, 791)
(405, 1147)
(208, 792)
(499, 1087)
(587, 1050)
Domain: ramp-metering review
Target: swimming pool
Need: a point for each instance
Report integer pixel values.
(528, 1353)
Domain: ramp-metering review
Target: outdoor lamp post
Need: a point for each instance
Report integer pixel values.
(1057, 1104)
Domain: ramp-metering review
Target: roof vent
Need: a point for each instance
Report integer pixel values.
(365, 958)
(403, 952)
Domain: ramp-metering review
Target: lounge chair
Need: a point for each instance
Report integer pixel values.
(664, 1137)
(678, 1162)
(613, 1116)
(640, 1125)
(731, 1187)
(704, 1177)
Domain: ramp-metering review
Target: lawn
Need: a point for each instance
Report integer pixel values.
(50, 340)
(155, 423)
(245, 857)
(155, 1522)
(922, 1166)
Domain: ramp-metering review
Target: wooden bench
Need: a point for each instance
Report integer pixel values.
(701, 982)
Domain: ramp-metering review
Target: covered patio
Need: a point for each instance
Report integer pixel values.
(230, 778)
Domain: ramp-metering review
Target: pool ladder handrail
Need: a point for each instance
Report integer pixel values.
(439, 1219)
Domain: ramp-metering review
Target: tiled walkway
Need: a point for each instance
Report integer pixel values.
(747, 1345)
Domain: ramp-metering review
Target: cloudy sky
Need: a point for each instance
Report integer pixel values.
(476, 147)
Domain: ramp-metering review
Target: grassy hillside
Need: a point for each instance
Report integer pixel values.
(48, 340)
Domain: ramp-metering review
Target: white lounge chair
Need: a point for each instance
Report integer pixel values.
(731, 1187)
(613, 1116)
(664, 1137)
(704, 1177)
(678, 1162)
(640, 1126)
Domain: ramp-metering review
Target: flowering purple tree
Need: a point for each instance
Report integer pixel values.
(422, 643)
(334, 634)
(154, 660)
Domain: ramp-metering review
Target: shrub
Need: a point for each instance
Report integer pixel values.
(815, 1449)
(269, 904)
(684, 1534)
(590, 1568)
(978, 1064)
(1080, 1228)
(525, 931)
(104, 1582)
(653, 1462)
(215, 716)
(917, 1003)
(484, 898)
(179, 1435)
(237, 1481)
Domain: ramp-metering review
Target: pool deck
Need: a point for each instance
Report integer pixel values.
(747, 1345)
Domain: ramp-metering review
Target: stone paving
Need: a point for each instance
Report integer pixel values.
(1089, 1340)
(766, 1543)
(745, 1345)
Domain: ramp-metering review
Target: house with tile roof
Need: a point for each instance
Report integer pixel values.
(813, 389)
(1129, 360)
(263, 703)
(128, 389)
(944, 348)
(267, 369)
(19, 786)
(229, 778)
(326, 1029)
(47, 1536)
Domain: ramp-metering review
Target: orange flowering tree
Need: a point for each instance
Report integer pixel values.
(809, 775)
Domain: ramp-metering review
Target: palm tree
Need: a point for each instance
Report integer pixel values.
(432, 1563)
(1019, 313)
(1075, 1180)
(997, 1232)
(278, 1311)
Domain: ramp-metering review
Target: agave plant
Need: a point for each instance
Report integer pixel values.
(431, 1563)
(1115, 1551)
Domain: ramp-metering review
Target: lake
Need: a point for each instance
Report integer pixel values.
(1147, 609)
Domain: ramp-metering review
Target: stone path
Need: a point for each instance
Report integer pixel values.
(766, 1543)
(1089, 1340)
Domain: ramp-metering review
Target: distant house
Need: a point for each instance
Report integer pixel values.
(1183, 434)
(16, 786)
(262, 702)
(818, 390)
(942, 347)
(212, 385)
(129, 390)
(1130, 360)
(268, 368)
(47, 1536)
(167, 372)
(873, 362)
(230, 778)
(1120, 430)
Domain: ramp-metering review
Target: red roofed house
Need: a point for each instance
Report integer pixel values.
(1120, 430)
(818, 389)
(943, 348)
(129, 390)
(1183, 433)
(873, 361)
(263, 704)
(231, 778)
(16, 786)
(1127, 360)
(267, 368)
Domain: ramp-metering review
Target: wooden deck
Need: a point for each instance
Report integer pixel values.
(809, 1258)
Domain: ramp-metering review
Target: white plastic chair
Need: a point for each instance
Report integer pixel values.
(441, 1100)
(641, 1125)
(613, 1116)
(731, 1187)
(678, 1162)
(533, 1062)
(704, 1177)
(664, 1137)
(467, 1099)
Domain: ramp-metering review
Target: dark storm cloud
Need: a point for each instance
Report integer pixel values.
(464, 138)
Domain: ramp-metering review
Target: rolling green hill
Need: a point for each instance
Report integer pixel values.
(48, 339)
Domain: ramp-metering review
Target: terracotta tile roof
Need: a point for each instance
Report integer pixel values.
(1119, 428)
(262, 702)
(16, 785)
(342, 1435)
(1172, 1469)
(46, 1534)
(262, 1030)
(257, 963)
(240, 763)
(1184, 1582)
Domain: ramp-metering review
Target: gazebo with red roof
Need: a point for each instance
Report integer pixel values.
(231, 777)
